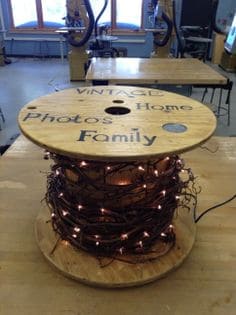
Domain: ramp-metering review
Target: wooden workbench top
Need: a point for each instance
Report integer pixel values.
(116, 123)
(204, 284)
(185, 71)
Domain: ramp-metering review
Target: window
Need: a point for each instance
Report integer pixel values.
(120, 14)
(37, 14)
(45, 14)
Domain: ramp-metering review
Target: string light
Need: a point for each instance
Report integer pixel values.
(146, 234)
(83, 163)
(121, 250)
(102, 210)
(124, 236)
(141, 168)
(140, 243)
(118, 186)
(57, 172)
(64, 213)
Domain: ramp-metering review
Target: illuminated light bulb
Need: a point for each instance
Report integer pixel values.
(140, 243)
(177, 197)
(163, 192)
(83, 163)
(156, 172)
(124, 236)
(167, 158)
(121, 250)
(146, 234)
(123, 183)
(64, 213)
(97, 243)
(77, 229)
(61, 195)
(103, 210)
(182, 170)
(174, 177)
(96, 236)
(53, 215)
(171, 226)
(108, 168)
(57, 172)
(163, 234)
(46, 155)
(80, 207)
(159, 207)
(144, 186)
(141, 168)
(74, 235)
(179, 161)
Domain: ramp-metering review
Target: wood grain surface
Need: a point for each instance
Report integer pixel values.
(116, 123)
(204, 284)
(185, 71)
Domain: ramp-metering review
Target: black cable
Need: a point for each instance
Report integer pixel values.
(164, 41)
(98, 17)
(70, 37)
(214, 207)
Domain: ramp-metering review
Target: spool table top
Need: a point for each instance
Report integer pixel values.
(117, 123)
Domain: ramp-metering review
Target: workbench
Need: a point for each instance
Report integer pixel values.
(204, 284)
(171, 71)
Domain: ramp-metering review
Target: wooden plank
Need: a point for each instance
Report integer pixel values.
(204, 284)
(116, 123)
(186, 71)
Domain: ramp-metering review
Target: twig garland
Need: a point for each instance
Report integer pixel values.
(118, 210)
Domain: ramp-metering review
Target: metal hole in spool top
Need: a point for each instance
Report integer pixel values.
(173, 127)
(117, 110)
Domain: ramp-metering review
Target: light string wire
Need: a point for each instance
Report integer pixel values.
(119, 210)
(200, 216)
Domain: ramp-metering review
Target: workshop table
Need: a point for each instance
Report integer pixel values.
(204, 284)
(171, 71)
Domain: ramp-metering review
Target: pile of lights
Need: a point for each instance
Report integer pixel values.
(118, 209)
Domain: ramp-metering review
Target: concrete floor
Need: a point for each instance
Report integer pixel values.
(26, 79)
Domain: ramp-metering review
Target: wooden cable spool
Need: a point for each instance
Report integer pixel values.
(115, 124)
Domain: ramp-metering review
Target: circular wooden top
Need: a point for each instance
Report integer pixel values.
(116, 122)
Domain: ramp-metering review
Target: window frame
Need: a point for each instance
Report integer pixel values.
(41, 29)
(115, 29)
